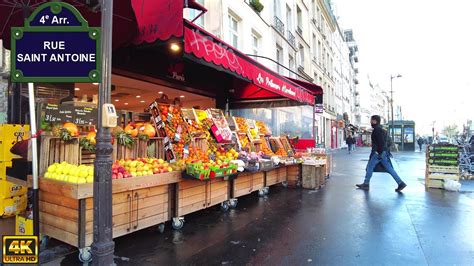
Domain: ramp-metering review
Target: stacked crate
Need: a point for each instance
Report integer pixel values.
(442, 163)
(13, 198)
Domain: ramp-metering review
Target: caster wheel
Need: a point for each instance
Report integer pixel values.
(261, 193)
(85, 255)
(44, 242)
(225, 206)
(266, 190)
(177, 223)
(233, 203)
(161, 228)
(284, 184)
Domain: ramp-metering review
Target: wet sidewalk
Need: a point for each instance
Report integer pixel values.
(337, 225)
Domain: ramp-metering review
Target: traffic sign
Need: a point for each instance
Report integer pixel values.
(56, 44)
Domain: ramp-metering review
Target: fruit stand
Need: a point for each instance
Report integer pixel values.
(66, 209)
(178, 162)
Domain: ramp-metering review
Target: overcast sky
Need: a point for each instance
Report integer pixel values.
(429, 42)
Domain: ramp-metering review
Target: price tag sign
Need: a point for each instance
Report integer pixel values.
(52, 113)
(55, 45)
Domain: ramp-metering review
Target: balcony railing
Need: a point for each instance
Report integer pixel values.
(299, 30)
(279, 26)
(291, 39)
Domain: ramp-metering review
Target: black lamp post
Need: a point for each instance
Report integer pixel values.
(103, 245)
(391, 103)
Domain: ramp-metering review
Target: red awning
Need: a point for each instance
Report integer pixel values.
(158, 20)
(203, 45)
(313, 88)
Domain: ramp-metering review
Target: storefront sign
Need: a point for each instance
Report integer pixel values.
(55, 113)
(55, 45)
(206, 47)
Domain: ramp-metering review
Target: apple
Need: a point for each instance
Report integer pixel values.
(119, 175)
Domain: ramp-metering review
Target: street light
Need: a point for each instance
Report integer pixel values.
(391, 103)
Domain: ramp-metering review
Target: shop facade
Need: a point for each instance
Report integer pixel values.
(179, 91)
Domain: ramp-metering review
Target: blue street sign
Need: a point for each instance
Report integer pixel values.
(56, 45)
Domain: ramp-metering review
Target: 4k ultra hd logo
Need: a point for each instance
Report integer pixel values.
(20, 249)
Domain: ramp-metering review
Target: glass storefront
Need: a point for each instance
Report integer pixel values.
(292, 121)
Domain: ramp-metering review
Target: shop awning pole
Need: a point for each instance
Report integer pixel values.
(34, 156)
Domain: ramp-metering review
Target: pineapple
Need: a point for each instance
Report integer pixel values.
(56, 130)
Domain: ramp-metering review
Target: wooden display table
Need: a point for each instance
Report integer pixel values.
(247, 183)
(66, 209)
(276, 176)
(194, 195)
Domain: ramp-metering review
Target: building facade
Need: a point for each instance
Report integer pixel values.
(297, 38)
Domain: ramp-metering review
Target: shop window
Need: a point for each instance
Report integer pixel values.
(292, 121)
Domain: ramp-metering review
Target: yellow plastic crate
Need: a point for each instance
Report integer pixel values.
(23, 226)
(9, 189)
(3, 169)
(9, 135)
(12, 206)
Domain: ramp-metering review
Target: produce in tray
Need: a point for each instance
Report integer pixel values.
(265, 149)
(210, 170)
(263, 129)
(241, 124)
(244, 141)
(141, 167)
(77, 174)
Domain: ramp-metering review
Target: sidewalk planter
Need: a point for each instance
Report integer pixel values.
(66, 209)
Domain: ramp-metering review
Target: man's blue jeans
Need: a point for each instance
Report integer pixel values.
(383, 158)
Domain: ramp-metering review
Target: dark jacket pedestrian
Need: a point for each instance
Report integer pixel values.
(380, 154)
(350, 141)
(420, 142)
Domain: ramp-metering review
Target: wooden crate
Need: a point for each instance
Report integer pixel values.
(55, 150)
(152, 148)
(87, 157)
(123, 152)
(434, 183)
(247, 183)
(293, 175)
(313, 176)
(66, 210)
(275, 176)
(218, 191)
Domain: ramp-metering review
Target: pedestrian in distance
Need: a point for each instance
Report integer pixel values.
(349, 142)
(420, 142)
(354, 143)
(380, 154)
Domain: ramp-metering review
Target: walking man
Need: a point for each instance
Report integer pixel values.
(349, 142)
(380, 154)
(420, 142)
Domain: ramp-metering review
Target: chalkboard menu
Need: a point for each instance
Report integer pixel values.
(56, 113)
